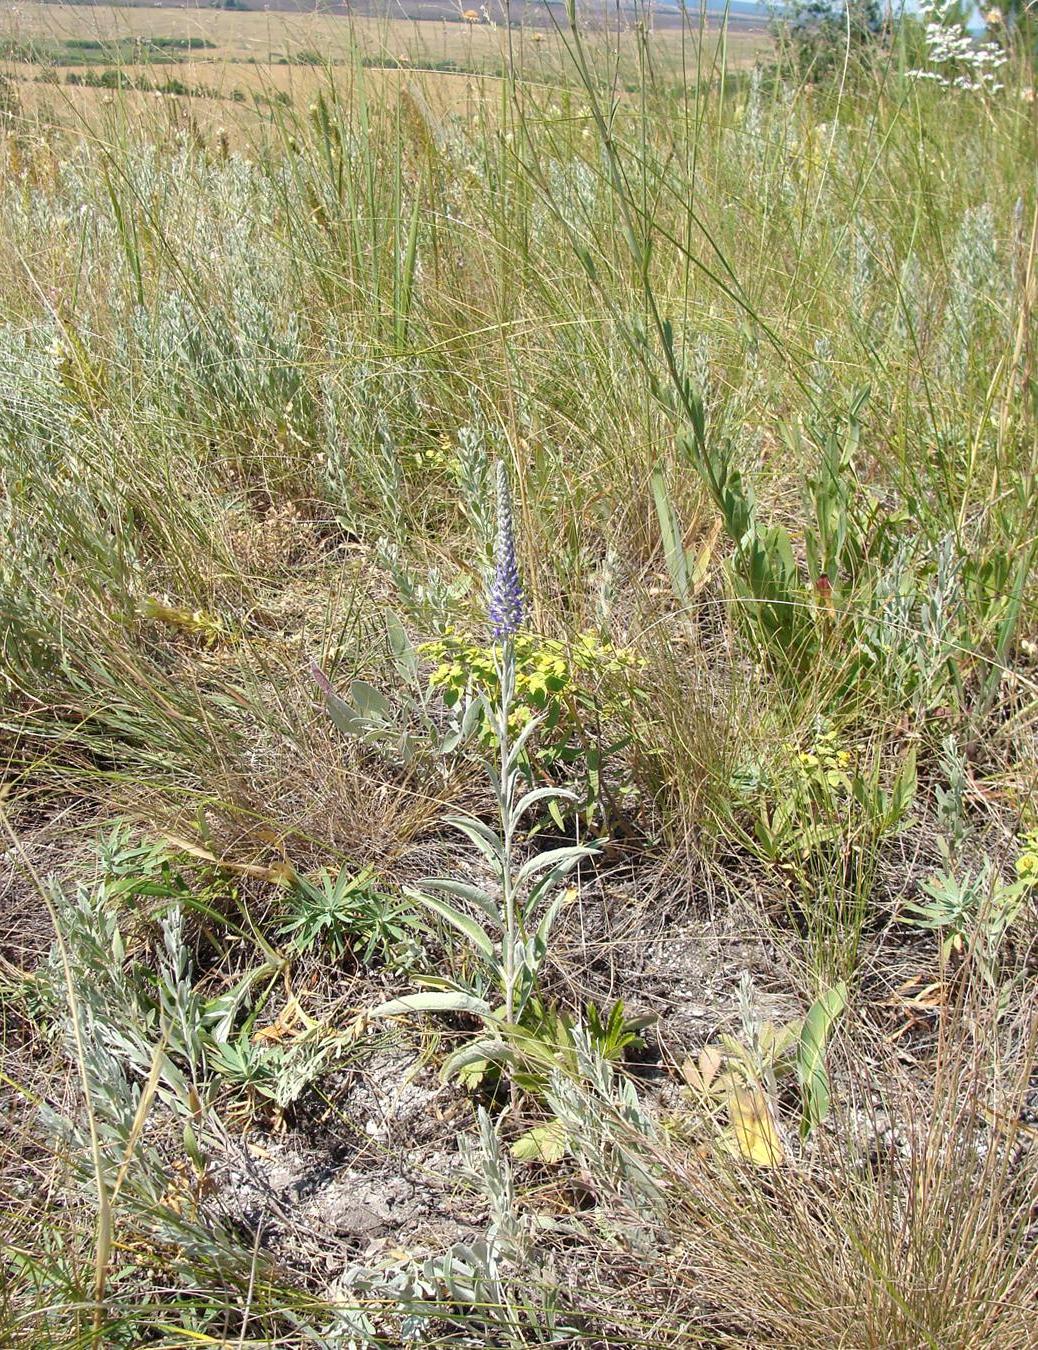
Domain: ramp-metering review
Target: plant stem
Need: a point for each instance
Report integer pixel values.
(507, 783)
(506, 801)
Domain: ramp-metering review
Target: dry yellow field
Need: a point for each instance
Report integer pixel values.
(267, 35)
(261, 36)
(247, 56)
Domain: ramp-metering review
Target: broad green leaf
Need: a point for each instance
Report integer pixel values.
(370, 702)
(673, 545)
(449, 743)
(344, 717)
(811, 1071)
(544, 1143)
(476, 1052)
(404, 656)
(470, 720)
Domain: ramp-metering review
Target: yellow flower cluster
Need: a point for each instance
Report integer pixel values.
(826, 761)
(547, 671)
(438, 456)
(1027, 859)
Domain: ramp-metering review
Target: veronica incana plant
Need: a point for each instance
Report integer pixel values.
(506, 928)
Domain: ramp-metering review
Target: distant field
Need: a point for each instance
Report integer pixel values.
(233, 56)
(532, 14)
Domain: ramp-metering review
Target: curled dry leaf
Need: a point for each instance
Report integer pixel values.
(700, 1075)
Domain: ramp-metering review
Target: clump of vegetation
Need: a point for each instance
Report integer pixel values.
(821, 35)
(518, 652)
(584, 698)
(95, 51)
(117, 78)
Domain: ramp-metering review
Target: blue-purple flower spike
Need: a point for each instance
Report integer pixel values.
(506, 592)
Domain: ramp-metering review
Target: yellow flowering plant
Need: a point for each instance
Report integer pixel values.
(573, 689)
(1026, 865)
(820, 792)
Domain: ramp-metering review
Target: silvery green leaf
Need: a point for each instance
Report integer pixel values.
(465, 925)
(404, 657)
(539, 795)
(495, 721)
(515, 753)
(470, 720)
(220, 1013)
(344, 717)
(448, 1001)
(544, 927)
(496, 1052)
(553, 859)
(370, 702)
(529, 955)
(810, 1063)
(485, 839)
(552, 879)
(463, 891)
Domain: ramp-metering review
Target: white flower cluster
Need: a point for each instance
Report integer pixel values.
(955, 60)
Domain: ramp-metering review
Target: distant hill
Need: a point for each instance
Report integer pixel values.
(664, 13)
